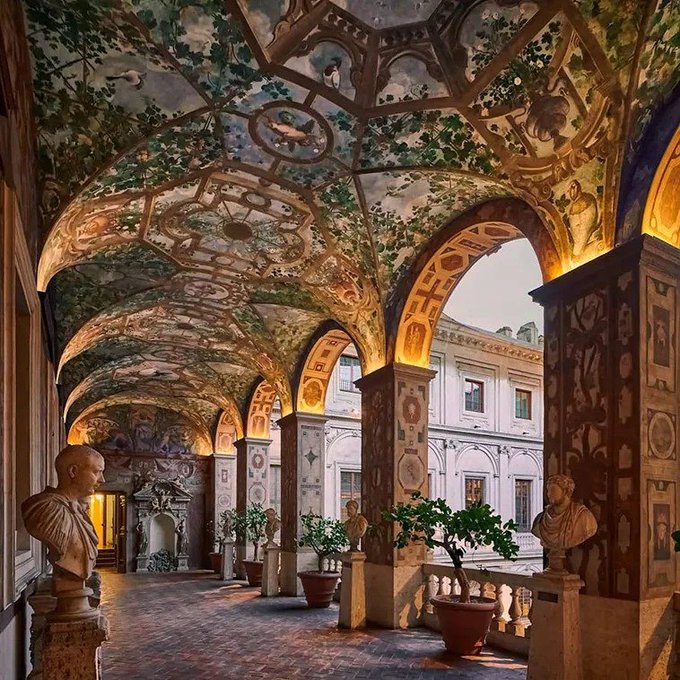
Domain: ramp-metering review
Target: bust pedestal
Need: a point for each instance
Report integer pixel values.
(555, 643)
(72, 648)
(353, 591)
(270, 570)
(227, 569)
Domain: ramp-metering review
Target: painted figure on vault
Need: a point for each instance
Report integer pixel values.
(292, 133)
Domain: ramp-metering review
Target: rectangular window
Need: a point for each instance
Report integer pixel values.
(350, 370)
(523, 404)
(474, 396)
(275, 488)
(350, 490)
(523, 505)
(474, 491)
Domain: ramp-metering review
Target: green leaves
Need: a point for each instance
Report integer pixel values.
(249, 525)
(324, 536)
(434, 523)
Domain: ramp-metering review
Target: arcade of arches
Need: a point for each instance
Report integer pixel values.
(205, 201)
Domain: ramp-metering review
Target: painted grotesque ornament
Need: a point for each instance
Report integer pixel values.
(547, 118)
(58, 516)
(584, 217)
(564, 523)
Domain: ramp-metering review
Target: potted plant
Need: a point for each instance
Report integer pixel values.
(325, 537)
(249, 526)
(220, 532)
(464, 620)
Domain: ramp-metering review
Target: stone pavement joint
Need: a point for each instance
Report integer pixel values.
(191, 626)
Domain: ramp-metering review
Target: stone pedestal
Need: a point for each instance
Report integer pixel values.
(42, 602)
(270, 570)
(227, 570)
(353, 591)
(252, 485)
(303, 451)
(394, 453)
(71, 650)
(555, 646)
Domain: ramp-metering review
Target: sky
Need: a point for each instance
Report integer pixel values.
(494, 292)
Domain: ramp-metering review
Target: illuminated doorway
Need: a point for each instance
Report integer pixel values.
(107, 511)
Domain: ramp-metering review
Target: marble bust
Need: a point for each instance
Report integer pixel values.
(58, 516)
(355, 525)
(272, 526)
(564, 523)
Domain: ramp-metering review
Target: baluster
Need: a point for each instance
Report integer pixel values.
(516, 625)
(431, 589)
(498, 622)
(527, 631)
(488, 590)
(444, 586)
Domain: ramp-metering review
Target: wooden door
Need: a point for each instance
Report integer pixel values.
(121, 533)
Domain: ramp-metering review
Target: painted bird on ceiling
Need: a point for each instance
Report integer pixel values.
(134, 78)
(331, 74)
(290, 132)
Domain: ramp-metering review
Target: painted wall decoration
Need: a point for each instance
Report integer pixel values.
(141, 428)
(196, 157)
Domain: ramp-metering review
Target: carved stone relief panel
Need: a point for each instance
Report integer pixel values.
(661, 334)
(660, 511)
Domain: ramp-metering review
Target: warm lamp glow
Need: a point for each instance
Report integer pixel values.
(662, 211)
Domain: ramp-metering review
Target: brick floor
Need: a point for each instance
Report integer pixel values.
(190, 626)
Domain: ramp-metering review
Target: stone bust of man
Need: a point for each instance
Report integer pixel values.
(58, 516)
(355, 525)
(272, 526)
(564, 523)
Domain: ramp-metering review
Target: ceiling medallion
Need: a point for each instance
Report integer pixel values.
(291, 132)
(236, 230)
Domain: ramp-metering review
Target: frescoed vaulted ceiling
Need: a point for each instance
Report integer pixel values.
(222, 176)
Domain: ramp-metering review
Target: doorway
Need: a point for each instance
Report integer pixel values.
(108, 514)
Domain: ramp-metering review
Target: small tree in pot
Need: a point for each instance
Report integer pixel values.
(325, 537)
(464, 620)
(249, 527)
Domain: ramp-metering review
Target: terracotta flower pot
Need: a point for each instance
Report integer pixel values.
(319, 587)
(253, 572)
(464, 626)
(215, 561)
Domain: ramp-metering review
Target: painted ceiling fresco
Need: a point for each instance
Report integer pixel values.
(222, 176)
(143, 428)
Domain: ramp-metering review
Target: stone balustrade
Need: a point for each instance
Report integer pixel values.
(334, 563)
(511, 625)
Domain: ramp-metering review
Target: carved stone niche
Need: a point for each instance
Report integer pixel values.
(162, 542)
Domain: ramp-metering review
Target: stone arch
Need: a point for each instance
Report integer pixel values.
(661, 217)
(259, 411)
(229, 429)
(420, 297)
(324, 351)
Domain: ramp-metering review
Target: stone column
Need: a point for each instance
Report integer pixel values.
(252, 485)
(612, 335)
(222, 494)
(303, 459)
(394, 426)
